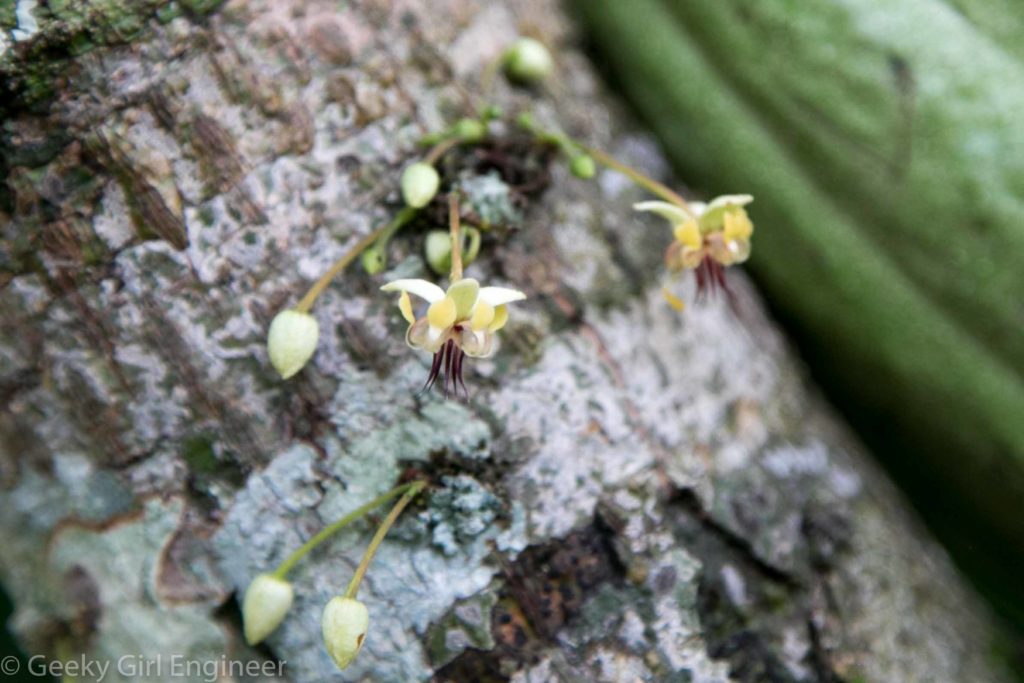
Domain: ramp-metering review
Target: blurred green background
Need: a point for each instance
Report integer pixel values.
(883, 141)
(8, 648)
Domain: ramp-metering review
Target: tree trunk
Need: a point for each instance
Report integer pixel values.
(629, 494)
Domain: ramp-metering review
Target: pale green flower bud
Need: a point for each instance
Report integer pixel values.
(582, 166)
(491, 112)
(374, 260)
(438, 248)
(524, 120)
(469, 130)
(291, 341)
(267, 601)
(345, 623)
(419, 184)
(528, 61)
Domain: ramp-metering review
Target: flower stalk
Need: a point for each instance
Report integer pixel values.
(411, 491)
(644, 181)
(379, 236)
(339, 266)
(331, 529)
(573, 149)
(456, 238)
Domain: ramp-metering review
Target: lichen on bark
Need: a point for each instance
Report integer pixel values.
(629, 494)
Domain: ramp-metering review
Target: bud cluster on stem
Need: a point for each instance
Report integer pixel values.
(269, 596)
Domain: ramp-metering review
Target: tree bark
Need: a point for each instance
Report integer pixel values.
(629, 493)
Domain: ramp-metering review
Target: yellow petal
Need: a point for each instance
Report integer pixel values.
(500, 318)
(738, 226)
(441, 314)
(405, 306)
(483, 315)
(688, 234)
(464, 293)
(673, 300)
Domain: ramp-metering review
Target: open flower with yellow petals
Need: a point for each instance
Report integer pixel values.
(459, 322)
(708, 237)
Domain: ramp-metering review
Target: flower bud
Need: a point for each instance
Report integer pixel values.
(419, 184)
(469, 130)
(582, 166)
(345, 622)
(528, 61)
(524, 120)
(438, 251)
(491, 112)
(267, 601)
(374, 260)
(291, 341)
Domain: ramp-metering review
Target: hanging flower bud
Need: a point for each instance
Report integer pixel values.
(419, 184)
(291, 341)
(345, 623)
(267, 601)
(528, 61)
(582, 166)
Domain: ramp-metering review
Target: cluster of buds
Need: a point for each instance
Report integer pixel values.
(344, 623)
(345, 620)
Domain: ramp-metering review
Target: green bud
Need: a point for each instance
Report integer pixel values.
(431, 139)
(491, 112)
(582, 166)
(291, 341)
(470, 251)
(419, 184)
(438, 251)
(344, 623)
(267, 601)
(374, 260)
(469, 130)
(528, 61)
(524, 120)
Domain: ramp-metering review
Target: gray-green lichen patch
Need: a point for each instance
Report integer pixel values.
(463, 510)
(120, 565)
(466, 625)
(112, 573)
(489, 197)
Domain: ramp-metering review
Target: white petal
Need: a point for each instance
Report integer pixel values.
(434, 333)
(730, 200)
(670, 212)
(712, 218)
(496, 296)
(421, 288)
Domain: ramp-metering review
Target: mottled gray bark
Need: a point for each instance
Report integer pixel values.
(630, 494)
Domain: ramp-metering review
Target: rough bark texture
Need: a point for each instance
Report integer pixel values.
(630, 494)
